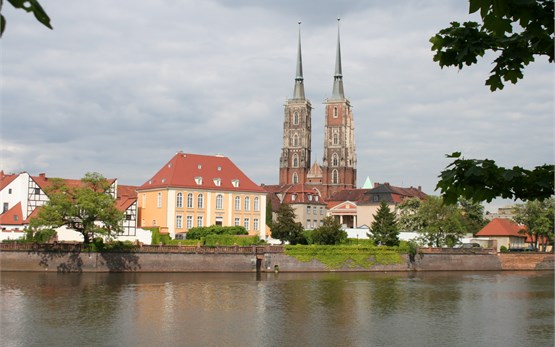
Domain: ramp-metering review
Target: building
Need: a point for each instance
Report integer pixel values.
(193, 190)
(309, 207)
(506, 232)
(22, 195)
(338, 169)
(357, 207)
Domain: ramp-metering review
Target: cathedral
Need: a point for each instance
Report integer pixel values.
(337, 171)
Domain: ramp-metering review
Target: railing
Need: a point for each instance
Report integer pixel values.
(73, 247)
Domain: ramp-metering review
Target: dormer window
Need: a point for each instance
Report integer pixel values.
(198, 180)
(199, 166)
(163, 180)
(315, 197)
(235, 183)
(293, 197)
(310, 198)
(217, 182)
(219, 168)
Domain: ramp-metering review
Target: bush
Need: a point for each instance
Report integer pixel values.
(230, 240)
(503, 249)
(199, 232)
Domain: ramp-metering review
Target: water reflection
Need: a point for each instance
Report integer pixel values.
(330, 309)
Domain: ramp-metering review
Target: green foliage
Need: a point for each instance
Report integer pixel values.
(29, 6)
(472, 215)
(384, 227)
(269, 213)
(483, 180)
(503, 249)
(88, 208)
(409, 219)
(231, 240)
(516, 29)
(437, 223)
(39, 235)
(537, 216)
(335, 257)
(330, 233)
(98, 245)
(285, 228)
(199, 232)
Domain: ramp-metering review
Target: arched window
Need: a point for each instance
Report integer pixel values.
(190, 200)
(335, 112)
(219, 202)
(179, 200)
(247, 203)
(295, 178)
(159, 202)
(295, 160)
(256, 204)
(237, 203)
(296, 118)
(334, 160)
(334, 177)
(335, 139)
(295, 140)
(200, 201)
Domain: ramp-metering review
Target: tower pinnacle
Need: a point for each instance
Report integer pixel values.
(298, 92)
(338, 77)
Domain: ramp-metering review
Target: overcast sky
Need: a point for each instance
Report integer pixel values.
(119, 86)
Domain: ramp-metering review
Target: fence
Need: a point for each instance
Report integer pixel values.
(76, 247)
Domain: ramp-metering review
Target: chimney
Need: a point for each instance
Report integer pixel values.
(387, 184)
(43, 176)
(376, 184)
(419, 188)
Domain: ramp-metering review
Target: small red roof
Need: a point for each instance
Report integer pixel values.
(44, 182)
(502, 227)
(211, 172)
(5, 180)
(13, 216)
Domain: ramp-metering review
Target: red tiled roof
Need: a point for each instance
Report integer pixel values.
(183, 168)
(13, 216)
(501, 227)
(45, 182)
(6, 179)
(349, 195)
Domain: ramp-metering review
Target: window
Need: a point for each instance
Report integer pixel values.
(15, 217)
(256, 204)
(334, 177)
(237, 222)
(314, 210)
(128, 217)
(154, 222)
(247, 203)
(335, 112)
(308, 224)
(293, 197)
(334, 160)
(179, 200)
(6, 207)
(189, 222)
(295, 178)
(296, 118)
(308, 210)
(219, 202)
(200, 201)
(321, 211)
(217, 182)
(255, 224)
(198, 180)
(159, 203)
(235, 183)
(315, 197)
(376, 198)
(237, 203)
(179, 221)
(246, 223)
(199, 221)
(315, 224)
(37, 191)
(335, 139)
(309, 197)
(295, 140)
(10, 191)
(295, 160)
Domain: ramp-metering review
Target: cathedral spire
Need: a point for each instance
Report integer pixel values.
(298, 92)
(338, 77)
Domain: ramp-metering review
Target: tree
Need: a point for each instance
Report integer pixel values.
(437, 223)
(329, 233)
(517, 29)
(29, 6)
(472, 215)
(483, 180)
(285, 228)
(384, 227)
(89, 208)
(409, 219)
(537, 216)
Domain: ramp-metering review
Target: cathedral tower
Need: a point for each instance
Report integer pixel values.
(294, 162)
(339, 161)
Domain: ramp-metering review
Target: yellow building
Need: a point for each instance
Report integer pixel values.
(194, 190)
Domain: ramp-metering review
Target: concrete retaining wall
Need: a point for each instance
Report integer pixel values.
(182, 262)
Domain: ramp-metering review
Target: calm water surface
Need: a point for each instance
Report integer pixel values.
(332, 309)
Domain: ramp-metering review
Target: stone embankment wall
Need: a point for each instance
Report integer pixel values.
(182, 262)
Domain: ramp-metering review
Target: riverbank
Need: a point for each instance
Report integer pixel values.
(259, 259)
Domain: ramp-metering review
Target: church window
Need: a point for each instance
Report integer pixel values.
(335, 112)
(335, 139)
(334, 177)
(296, 118)
(295, 160)
(335, 160)
(295, 140)
(295, 178)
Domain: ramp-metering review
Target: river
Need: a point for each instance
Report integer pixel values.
(285, 309)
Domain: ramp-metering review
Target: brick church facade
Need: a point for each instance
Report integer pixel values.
(338, 168)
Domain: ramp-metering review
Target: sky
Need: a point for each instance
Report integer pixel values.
(118, 87)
